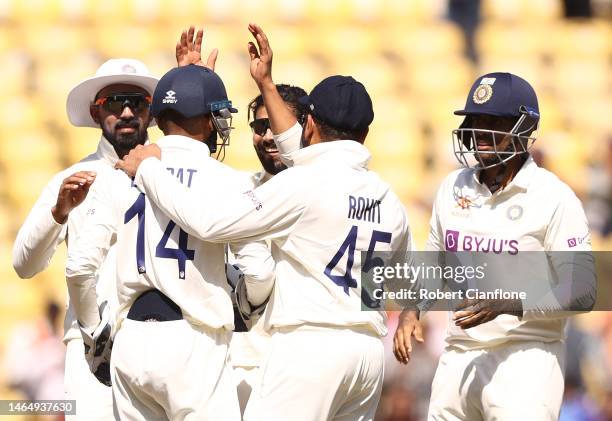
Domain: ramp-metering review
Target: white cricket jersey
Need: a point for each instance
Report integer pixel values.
(319, 215)
(40, 235)
(152, 252)
(535, 212)
(249, 349)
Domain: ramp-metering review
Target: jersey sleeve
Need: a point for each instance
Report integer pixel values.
(568, 229)
(40, 234)
(218, 214)
(568, 246)
(94, 240)
(255, 261)
(435, 239)
(288, 143)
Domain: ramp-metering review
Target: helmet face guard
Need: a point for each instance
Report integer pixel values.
(221, 116)
(466, 148)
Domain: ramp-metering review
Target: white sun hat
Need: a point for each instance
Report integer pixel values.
(117, 70)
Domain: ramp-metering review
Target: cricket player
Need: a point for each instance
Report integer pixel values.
(170, 356)
(504, 361)
(116, 100)
(248, 349)
(325, 217)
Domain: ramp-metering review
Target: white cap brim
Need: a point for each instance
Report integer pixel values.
(83, 94)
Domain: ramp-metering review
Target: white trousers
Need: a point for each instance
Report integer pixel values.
(514, 381)
(317, 374)
(172, 371)
(94, 401)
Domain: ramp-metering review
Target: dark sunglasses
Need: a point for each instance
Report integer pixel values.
(115, 104)
(260, 126)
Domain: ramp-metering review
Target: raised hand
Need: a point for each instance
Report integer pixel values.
(261, 56)
(189, 50)
(72, 193)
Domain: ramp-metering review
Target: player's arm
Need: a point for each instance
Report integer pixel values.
(218, 214)
(45, 227)
(255, 261)
(281, 117)
(91, 246)
(568, 245)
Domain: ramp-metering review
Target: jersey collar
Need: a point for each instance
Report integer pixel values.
(521, 180)
(339, 151)
(106, 152)
(183, 142)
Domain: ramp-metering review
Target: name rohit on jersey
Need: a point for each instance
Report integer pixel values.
(364, 209)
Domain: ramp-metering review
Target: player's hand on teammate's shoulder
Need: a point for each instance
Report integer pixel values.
(261, 56)
(72, 193)
(189, 50)
(130, 162)
(408, 325)
(472, 313)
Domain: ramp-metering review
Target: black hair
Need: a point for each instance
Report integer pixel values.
(290, 94)
(332, 133)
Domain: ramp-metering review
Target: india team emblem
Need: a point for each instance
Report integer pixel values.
(464, 202)
(483, 93)
(514, 212)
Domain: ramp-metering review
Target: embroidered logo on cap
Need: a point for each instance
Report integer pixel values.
(128, 68)
(170, 98)
(482, 94)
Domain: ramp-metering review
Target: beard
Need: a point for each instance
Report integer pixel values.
(270, 164)
(125, 142)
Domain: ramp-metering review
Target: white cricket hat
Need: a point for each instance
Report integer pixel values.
(117, 70)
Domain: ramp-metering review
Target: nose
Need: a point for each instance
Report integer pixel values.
(127, 113)
(268, 136)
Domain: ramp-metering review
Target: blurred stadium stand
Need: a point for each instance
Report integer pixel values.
(409, 56)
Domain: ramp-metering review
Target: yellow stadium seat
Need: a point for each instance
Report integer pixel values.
(345, 43)
(114, 40)
(514, 40)
(304, 72)
(55, 41)
(579, 39)
(529, 68)
(408, 12)
(438, 40)
(537, 11)
(566, 156)
(25, 186)
(78, 142)
(29, 114)
(18, 72)
(28, 149)
(576, 78)
(378, 75)
(432, 80)
(8, 224)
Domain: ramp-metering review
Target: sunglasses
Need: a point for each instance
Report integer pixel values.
(260, 126)
(138, 103)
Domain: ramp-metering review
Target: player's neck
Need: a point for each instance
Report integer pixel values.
(498, 177)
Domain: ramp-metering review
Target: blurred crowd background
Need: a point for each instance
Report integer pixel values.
(417, 59)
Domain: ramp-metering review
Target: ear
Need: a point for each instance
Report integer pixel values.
(94, 112)
(363, 135)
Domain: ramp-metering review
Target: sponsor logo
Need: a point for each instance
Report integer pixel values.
(451, 240)
(487, 81)
(170, 98)
(455, 241)
(576, 241)
(482, 94)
